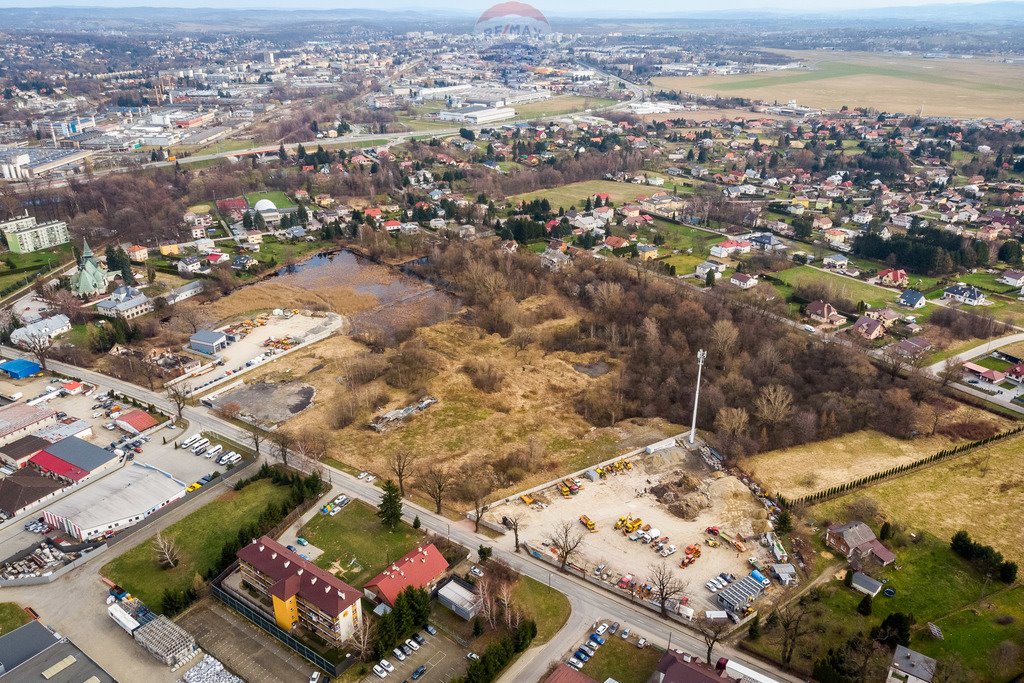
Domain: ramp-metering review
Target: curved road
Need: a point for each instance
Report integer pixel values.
(589, 603)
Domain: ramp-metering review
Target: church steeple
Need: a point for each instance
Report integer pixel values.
(87, 256)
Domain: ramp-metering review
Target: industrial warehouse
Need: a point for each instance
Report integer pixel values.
(115, 502)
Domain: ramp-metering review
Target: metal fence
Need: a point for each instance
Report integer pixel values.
(264, 622)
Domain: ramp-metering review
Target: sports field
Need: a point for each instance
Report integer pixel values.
(954, 87)
(564, 104)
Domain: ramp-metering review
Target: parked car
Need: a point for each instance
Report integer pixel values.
(301, 541)
(476, 571)
(642, 643)
(575, 663)
(314, 677)
(430, 629)
(387, 666)
(474, 656)
(398, 655)
(601, 629)
(625, 633)
(589, 648)
(362, 475)
(379, 672)
(597, 638)
(420, 670)
(405, 649)
(581, 655)
(614, 628)
(292, 548)
(411, 643)
(418, 638)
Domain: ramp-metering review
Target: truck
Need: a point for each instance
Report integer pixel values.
(760, 578)
(668, 550)
(589, 523)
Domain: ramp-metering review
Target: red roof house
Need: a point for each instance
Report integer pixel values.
(421, 568)
(136, 421)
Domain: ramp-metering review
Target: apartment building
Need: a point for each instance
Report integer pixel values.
(24, 235)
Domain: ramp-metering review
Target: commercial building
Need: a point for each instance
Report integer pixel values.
(477, 114)
(17, 453)
(115, 502)
(136, 421)
(421, 568)
(19, 368)
(459, 597)
(302, 594)
(20, 419)
(25, 163)
(24, 235)
(72, 460)
(23, 490)
(35, 653)
(208, 342)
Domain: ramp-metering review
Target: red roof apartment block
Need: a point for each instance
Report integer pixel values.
(290, 575)
(421, 568)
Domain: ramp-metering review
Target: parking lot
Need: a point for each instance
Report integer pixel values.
(444, 658)
(243, 648)
(700, 499)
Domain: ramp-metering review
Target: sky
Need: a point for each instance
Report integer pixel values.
(552, 7)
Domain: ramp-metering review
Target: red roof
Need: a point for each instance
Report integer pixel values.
(139, 420)
(290, 575)
(51, 463)
(615, 242)
(419, 569)
(233, 204)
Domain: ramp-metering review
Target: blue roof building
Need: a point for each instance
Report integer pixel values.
(19, 368)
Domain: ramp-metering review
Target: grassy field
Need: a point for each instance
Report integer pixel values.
(575, 194)
(623, 661)
(549, 608)
(981, 491)
(356, 547)
(199, 537)
(952, 87)
(931, 583)
(280, 200)
(228, 145)
(1016, 349)
(845, 287)
(12, 616)
(556, 106)
(805, 469)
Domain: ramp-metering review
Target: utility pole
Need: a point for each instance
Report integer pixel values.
(701, 355)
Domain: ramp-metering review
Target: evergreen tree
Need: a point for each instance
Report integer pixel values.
(865, 606)
(390, 508)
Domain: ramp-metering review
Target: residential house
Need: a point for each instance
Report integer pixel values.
(420, 568)
(821, 223)
(893, 277)
(868, 328)
(730, 247)
(856, 540)
(743, 281)
(968, 295)
(866, 585)
(909, 666)
(50, 328)
(706, 267)
(766, 242)
(911, 298)
(126, 303)
(647, 252)
(1014, 278)
(191, 265)
(137, 253)
(837, 261)
(824, 313)
(913, 347)
(615, 242)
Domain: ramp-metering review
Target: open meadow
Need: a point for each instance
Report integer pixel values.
(981, 491)
(575, 194)
(563, 104)
(806, 469)
(953, 87)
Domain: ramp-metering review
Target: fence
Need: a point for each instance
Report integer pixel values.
(902, 469)
(260, 619)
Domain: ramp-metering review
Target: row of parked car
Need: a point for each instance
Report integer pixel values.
(403, 652)
(719, 582)
(336, 505)
(589, 647)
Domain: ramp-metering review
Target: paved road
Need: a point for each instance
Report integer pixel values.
(1005, 399)
(589, 602)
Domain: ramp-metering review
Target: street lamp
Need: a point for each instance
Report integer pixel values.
(701, 355)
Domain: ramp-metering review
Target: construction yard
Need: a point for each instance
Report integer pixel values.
(675, 493)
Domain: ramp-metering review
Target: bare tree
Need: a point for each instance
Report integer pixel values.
(282, 440)
(229, 410)
(950, 372)
(712, 631)
(485, 590)
(504, 594)
(774, 404)
(400, 463)
(724, 336)
(435, 481)
(795, 620)
(521, 339)
(167, 554)
(567, 537)
(474, 488)
(179, 394)
(513, 522)
(363, 640)
(893, 361)
(309, 443)
(666, 584)
(258, 433)
(37, 343)
(190, 317)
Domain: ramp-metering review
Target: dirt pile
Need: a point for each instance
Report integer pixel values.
(684, 496)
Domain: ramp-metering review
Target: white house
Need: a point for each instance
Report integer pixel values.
(743, 281)
(47, 327)
(1014, 278)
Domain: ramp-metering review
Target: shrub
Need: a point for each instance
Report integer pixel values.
(484, 375)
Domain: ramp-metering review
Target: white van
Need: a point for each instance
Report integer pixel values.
(187, 443)
(216, 450)
(224, 458)
(233, 459)
(201, 444)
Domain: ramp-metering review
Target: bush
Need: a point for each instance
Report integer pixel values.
(484, 375)
(984, 557)
(969, 431)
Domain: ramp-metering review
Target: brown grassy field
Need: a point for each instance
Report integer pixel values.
(802, 470)
(981, 491)
(954, 87)
(469, 426)
(271, 293)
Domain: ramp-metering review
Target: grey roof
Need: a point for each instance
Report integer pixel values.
(910, 297)
(81, 454)
(23, 643)
(866, 583)
(78, 667)
(207, 337)
(914, 663)
(854, 533)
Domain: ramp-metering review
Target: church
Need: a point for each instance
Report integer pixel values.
(91, 279)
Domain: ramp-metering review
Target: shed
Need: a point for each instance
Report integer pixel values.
(459, 597)
(208, 341)
(19, 368)
(591, 475)
(866, 585)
